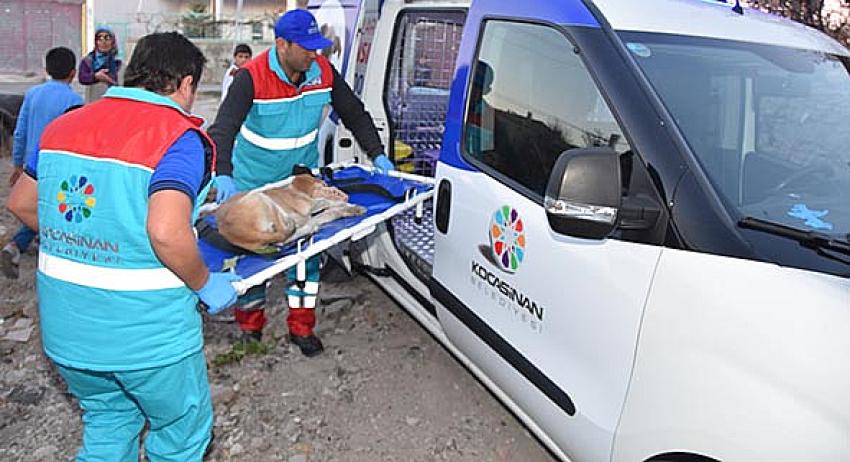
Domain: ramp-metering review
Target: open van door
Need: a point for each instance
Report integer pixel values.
(531, 282)
(340, 21)
(366, 37)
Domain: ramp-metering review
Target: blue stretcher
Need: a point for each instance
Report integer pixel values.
(382, 196)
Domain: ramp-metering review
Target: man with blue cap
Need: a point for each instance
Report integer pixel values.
(267, 125)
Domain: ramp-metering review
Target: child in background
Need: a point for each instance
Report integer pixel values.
(41, 105)
(241, 55)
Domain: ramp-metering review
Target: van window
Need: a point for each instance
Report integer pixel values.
(531, 99)
(421, 68)
(766, 124)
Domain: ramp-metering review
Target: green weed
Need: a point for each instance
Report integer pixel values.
(239, 350)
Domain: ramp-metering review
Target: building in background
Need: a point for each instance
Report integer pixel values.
(236, 20)
(216, 26)
(28, 28)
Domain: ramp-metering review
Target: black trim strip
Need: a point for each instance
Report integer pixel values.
(502, 347)
(419, 298)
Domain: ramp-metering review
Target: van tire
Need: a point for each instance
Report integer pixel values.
(329, 151)
(332, 271)
(7, 128)
(680, 457)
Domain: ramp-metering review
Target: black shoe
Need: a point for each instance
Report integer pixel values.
(251, 336)
(310, 345)
(9, 261)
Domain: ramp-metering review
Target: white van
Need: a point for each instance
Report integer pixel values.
(639, 240)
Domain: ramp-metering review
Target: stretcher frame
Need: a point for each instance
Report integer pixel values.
(308, 247)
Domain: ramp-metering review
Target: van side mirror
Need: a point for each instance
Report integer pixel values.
(584, 193)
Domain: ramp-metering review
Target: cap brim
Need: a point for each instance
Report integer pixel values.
(314, 43)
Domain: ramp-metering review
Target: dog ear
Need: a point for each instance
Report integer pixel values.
(301, 183)
(301, 169)
(306, 184)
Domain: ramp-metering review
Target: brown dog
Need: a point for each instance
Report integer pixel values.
(255, 220)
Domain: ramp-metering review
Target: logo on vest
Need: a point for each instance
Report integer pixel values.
(314, 81)
(76, 199)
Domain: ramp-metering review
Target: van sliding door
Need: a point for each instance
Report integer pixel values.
(416, 95)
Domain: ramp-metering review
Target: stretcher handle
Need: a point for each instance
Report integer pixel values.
(241, 286)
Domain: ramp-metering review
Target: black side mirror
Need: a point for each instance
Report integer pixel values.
(584, 193)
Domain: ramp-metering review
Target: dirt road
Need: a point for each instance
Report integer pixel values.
(384, 390)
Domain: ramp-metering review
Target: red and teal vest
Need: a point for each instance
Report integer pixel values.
(282, 127)
(107, 302)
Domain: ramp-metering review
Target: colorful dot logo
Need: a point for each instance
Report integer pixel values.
(76, 199)
(507, 238)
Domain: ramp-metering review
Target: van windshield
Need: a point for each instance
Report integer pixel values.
(768, 124)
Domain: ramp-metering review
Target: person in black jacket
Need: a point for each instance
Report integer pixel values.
(267, 125)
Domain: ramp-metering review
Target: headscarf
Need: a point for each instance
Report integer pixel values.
(105, 59)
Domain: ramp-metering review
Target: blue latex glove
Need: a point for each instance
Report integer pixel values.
(224, 188)
(383, 164)
(218, 293)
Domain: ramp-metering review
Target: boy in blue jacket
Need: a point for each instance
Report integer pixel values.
(41, 105)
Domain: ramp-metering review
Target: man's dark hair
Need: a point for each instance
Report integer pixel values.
(60, 61)
(242, 48)
(161, 60)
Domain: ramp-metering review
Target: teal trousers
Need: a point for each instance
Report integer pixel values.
(174, 399)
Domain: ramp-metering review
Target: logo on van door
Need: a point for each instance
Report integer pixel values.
(507, 239)
(506, 252)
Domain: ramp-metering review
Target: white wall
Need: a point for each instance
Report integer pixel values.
(132, 19)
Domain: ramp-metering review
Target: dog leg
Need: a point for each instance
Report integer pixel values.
(329, 214)
(329, 192)
(302, 231)
(338, 210)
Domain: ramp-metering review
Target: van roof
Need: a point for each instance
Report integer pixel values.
(716, 20)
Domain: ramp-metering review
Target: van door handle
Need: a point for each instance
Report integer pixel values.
(444, 205)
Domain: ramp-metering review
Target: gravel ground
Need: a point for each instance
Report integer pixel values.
(384, 390)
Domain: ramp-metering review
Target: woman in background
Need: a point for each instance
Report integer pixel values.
(99, 69)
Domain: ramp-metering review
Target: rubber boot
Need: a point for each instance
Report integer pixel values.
(301, 322)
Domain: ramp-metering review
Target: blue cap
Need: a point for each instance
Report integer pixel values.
(300, 26)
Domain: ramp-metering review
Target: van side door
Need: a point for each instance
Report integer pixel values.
(371, 29)
(552, 320)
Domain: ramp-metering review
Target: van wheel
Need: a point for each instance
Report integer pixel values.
(329, 151)
(7, 128)
(680, 457)
(332, 271)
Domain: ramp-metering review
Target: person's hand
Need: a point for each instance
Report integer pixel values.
(383, 164)
(218, 293)
(16, 173)
(224, 188)
(103, 76)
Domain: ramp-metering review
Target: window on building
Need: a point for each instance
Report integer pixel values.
(257, 31)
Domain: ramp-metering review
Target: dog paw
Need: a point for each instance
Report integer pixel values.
(330, 193)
